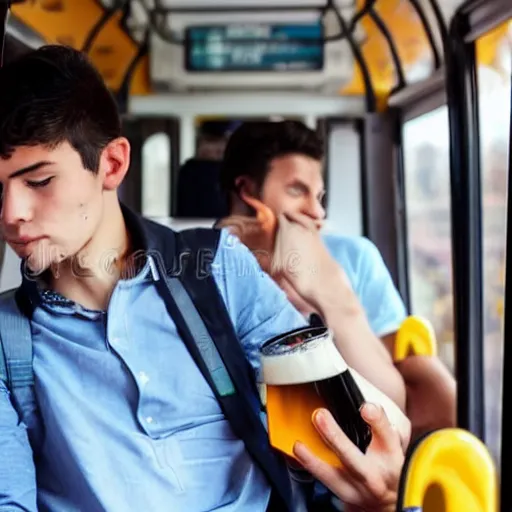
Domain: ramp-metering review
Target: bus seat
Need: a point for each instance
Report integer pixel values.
(416, 336)
(449, 470)
(198, 190)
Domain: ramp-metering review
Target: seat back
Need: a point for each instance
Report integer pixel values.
(449, 470)
(198, 190)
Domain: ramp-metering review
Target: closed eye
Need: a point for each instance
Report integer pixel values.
(297, 189)
(40, 184)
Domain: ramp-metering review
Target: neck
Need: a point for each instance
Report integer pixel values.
(90, 276)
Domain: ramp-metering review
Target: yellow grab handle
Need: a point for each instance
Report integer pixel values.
(416, 336)
(450, 470)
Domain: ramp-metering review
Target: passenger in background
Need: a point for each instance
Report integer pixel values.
(280, 164)
(204, 201)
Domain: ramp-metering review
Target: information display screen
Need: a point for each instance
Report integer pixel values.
(254, 47)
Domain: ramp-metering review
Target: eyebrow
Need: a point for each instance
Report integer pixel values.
(30, 168)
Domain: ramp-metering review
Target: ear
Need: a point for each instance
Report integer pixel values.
(245, 186)
(247, 195)
(114, 163)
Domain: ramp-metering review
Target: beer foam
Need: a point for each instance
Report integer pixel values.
(309, 360)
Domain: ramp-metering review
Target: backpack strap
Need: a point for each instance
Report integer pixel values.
(16, 340)
(207, 348)
(195, 304)
(16, 355)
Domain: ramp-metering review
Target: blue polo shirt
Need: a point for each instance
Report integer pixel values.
(130, 424)
(371, 281)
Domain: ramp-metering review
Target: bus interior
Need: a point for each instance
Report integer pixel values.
(413, 99)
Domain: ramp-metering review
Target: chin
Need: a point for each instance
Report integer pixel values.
(40, 259)
(34, 267)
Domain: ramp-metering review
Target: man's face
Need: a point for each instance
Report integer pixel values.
(51, 205)
(294, 184)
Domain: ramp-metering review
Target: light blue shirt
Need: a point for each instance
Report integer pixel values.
(130, 423)
(371, 281)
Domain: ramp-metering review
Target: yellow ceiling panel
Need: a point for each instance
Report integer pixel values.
(490, 48)
(69, 22)
(410, 41)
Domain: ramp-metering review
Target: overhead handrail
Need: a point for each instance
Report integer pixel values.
(124, 89)
(438, 61)
(443, 29)
(401, 82)
(371, 100)
(98, 26)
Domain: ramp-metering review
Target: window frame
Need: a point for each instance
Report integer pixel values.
(471, 21)
(455, 85)
(410, 103)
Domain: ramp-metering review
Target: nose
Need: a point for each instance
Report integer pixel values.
(315, 210)
(15, 207)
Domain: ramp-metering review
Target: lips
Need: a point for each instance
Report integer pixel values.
(24, 246)
(22, 241)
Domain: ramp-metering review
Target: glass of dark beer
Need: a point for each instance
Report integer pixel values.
(309, 356)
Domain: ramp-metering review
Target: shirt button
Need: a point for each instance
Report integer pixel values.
(149, 419)
(143, 378)
(119, 343)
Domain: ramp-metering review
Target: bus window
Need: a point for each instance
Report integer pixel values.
(427, 187)
(494, 58)
(156, 176)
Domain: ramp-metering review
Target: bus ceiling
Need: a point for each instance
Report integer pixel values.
(365, 48)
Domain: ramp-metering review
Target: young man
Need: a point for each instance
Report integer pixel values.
(124, 419)
(280, 164)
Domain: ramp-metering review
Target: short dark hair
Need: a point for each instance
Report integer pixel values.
(52, 95)
(252, 147)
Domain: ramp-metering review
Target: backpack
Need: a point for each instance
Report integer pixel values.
(198, 310)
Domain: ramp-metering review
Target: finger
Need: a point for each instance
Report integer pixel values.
(383, 432)
(264, 214)
(335, 479)
(266, 218)
(302, 220)
(349, 454)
